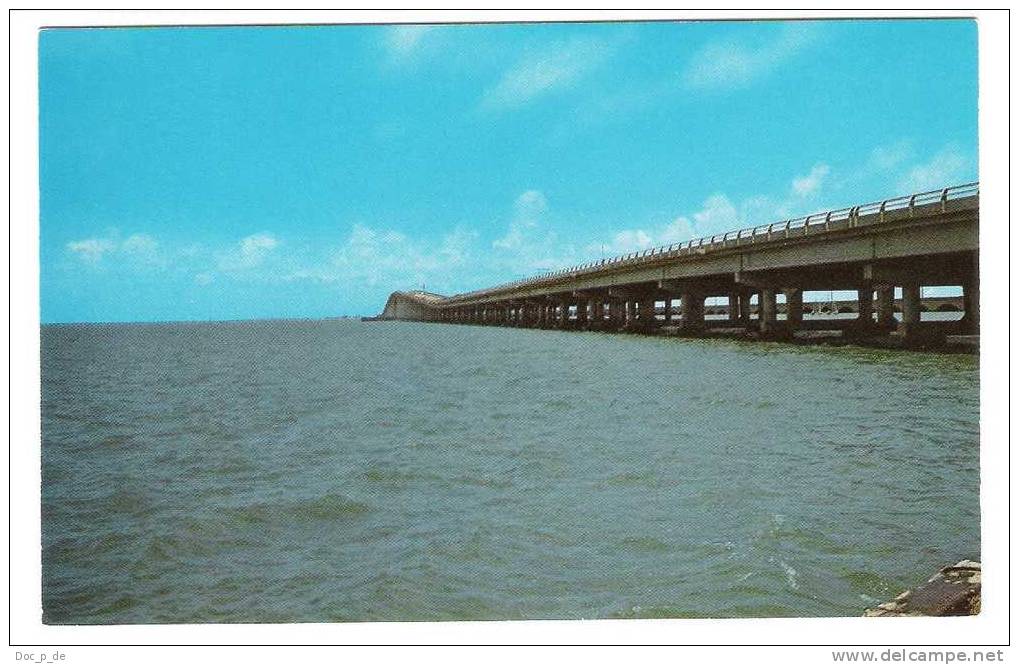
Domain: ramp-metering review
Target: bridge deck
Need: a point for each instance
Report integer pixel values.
(930, 238)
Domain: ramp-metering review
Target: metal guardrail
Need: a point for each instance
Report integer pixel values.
(765, 232)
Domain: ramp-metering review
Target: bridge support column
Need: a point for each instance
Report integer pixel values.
(734, 308)
(616, 315)
(793, 309)
(581, 314)
(865, 307)
(744, 308)
(667, 310)
(647, 313)
(910, 325)
(631, 313)
(692, 307)
(769, 327)
(971, 305)
(564, 315)
(911, 303)
(886, 307)
(594, 318)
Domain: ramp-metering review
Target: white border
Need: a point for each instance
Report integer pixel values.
(991, 627)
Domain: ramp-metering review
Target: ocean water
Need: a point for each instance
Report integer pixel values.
(285, 471)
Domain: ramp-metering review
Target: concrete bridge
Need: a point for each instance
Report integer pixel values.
(761, 273)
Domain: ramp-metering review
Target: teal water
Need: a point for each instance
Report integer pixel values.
(340, 471)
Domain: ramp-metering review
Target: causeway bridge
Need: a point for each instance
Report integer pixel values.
(885, 251)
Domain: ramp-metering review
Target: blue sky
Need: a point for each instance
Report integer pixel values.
(226, 173)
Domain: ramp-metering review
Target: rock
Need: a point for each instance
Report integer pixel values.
(953, 591)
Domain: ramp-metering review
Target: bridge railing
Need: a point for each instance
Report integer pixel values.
(814, 223)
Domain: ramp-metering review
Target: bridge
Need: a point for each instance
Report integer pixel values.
(761, 273)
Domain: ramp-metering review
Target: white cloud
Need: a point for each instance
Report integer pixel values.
(677, 230)
(530, 204)
(630, 240)
(887, 157)
(528, 207)
(945, 168)
(811, 183)
(250, 252)
(403, 41)
(385, 258)
(140, 244)
(143, 250)
(91, 250)
(529, 244)
(728, 64)
(760, 209)
(139, 250)
(537, 74)
(258, 245)
(456, 247)
(717, 215)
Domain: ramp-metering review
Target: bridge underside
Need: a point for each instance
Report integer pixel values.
(765, 304)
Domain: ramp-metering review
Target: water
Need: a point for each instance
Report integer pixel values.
(337, 470)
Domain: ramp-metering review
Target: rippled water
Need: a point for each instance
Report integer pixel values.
(336, 470)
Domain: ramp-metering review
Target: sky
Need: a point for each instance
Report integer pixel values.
(308, 172)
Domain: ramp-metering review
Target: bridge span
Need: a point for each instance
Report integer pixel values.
(885, 251)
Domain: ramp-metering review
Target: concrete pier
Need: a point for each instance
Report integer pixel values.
(769, 313)
(793, 308)
(692, 303)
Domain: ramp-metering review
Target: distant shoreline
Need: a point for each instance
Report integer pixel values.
(55, 324)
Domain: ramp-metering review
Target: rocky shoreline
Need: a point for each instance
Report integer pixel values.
(953, 591)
